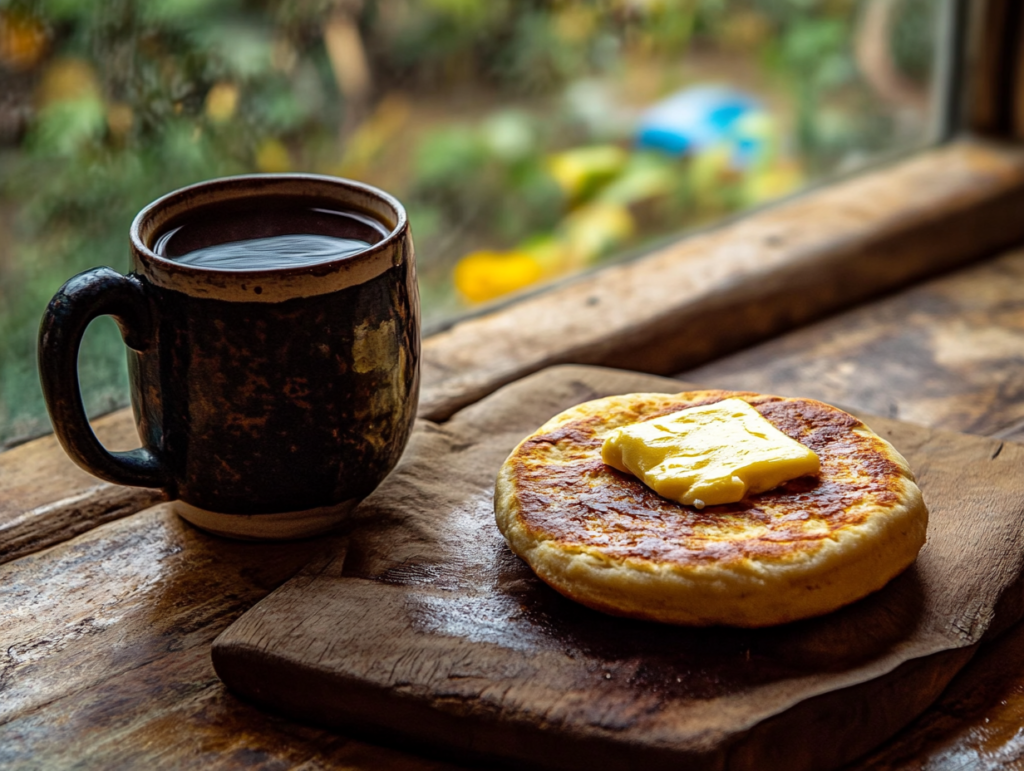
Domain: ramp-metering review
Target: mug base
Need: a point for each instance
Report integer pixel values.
(285, 526)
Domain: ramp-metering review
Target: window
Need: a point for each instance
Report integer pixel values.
(529, 140)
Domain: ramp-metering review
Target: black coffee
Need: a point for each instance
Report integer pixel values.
(289, 251)
(268, 234)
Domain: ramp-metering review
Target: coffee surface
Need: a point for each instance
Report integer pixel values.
(268, 235)
(290, 251)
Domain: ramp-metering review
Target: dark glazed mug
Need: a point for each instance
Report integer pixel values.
(271, 401)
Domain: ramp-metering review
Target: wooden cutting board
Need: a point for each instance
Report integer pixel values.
(430, 631)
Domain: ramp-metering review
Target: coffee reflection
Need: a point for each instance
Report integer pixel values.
(289, 251)
(268, 234)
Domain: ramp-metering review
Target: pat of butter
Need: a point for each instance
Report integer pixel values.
(705, 456)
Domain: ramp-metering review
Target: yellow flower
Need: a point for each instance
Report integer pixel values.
(221, 102)
(67, 80)
(581, 169)
(485, 275)
(596, 229)
(774, 182)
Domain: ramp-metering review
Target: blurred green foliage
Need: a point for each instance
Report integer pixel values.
(457, 106)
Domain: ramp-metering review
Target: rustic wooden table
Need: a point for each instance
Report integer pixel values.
(106, 617)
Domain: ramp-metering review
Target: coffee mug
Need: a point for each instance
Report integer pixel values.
(269, 400)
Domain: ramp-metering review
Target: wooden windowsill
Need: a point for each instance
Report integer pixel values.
(676, 308)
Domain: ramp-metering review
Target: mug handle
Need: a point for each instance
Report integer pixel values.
(97, 292)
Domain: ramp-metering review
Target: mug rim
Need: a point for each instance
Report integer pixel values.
(267, 284)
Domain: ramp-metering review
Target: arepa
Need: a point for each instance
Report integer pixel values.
(810, 546)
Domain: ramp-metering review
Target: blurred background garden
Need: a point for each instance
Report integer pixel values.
(529, 139)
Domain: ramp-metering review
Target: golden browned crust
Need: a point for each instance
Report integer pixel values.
(605, 539)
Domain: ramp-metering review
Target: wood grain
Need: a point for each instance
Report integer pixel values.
(687, 303)
(948, 353)
(976, 724)
(105, 660)
(433, 630)
(46, 499)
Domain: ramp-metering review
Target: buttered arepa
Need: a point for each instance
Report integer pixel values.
(840, 527)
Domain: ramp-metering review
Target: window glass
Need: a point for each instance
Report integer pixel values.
(529, 139)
